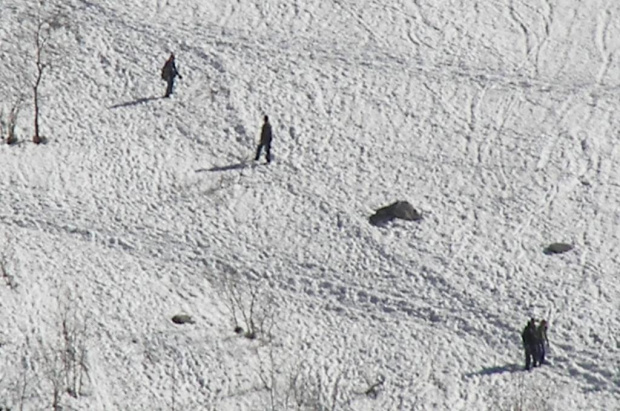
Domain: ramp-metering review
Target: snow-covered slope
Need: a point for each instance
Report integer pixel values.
(497, 120)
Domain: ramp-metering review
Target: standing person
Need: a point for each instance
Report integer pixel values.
(543, 341)
(168, 73)
(530, 344)
(265, 140)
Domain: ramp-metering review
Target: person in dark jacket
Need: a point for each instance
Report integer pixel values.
(530, 344)
(543, 341)
(168, 73)
(265, 141)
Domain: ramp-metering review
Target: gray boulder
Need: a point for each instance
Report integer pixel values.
(182, 319)
(399, 209)
(558, 248)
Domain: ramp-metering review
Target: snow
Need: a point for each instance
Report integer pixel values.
(496, 120)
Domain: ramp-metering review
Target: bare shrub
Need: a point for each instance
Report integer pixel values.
(299, 385)
(374, 387)
(68, 361)
(6, 256)
(251, 306)
(312, 391)
(7, 126)
(23, 387)
(20, 388)
(74, 353)
(11, 138)
(4, 272)
(50, 370)
(526, 397)
(51, 21)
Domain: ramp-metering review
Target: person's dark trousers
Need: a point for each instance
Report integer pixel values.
(169, 88)
(536, 355)
(529, 358)
(267, 152)
(541, 354)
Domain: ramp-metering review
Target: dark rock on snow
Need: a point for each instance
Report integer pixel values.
(182, 319)
(399, 209)
(558, 248)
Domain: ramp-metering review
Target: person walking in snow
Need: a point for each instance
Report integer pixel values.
(543, 341)
(530, 344)
(265, 141)
(168, 73)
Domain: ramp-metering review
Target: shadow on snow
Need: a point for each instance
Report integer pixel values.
(497, 370)
(136, 102)
(236, 166)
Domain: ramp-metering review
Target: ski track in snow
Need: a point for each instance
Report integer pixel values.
(140, 207)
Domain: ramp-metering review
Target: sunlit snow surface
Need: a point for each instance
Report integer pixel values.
(497, 120)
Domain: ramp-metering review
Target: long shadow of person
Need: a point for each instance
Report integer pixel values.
(496, 370)
(135, 102)
(236, 166)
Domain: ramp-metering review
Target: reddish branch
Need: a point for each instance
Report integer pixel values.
(40, 44)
